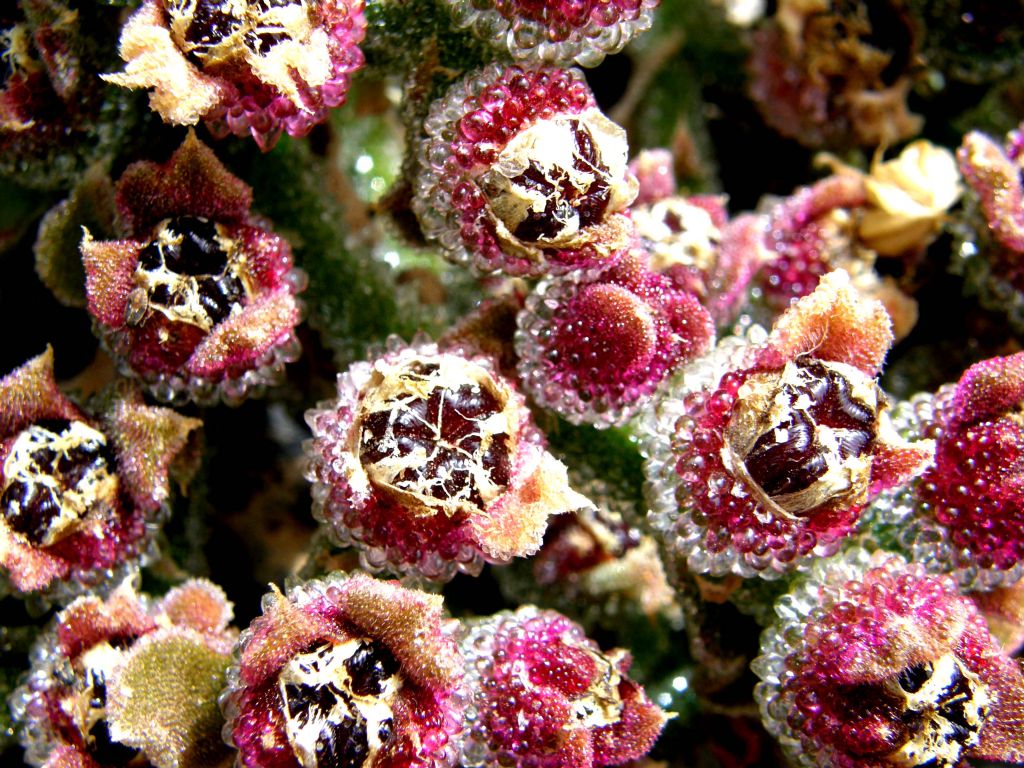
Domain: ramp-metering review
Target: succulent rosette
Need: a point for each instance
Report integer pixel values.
(110, 669)
(347, 671)
(595, 349)
(80, 496)
(559, 33)
(198, 300)
(835, 74)
(252, 67)
(546, 696)
(872, 662)
(430, 463)
(521, 173)
(964, 515)
(765, 454)
(992, 233)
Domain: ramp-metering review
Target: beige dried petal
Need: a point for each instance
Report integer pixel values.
(182, 95)
(910, 196)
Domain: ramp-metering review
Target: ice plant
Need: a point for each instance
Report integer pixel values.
(430, 463)
(80, 495)
(872, 663)
(546, 696)
(522, 173)
(992, 242)
(768, 451)
(248, 67)
(816, 230)
(198, 299)
(836, 73)
(559, 33)
(964, 515)
(127, 679)
(348, 671)
(596, 348)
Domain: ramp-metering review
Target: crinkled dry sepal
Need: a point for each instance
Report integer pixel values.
(80, 497)
(430, 463)
(247, 68)
(558, 33)
(521, 173)
(1003, 609)
(596, 349)
(192, 182)
(597, 564)
(200, 303)
(767, 453)
(547, 695)
(872, 662)
(832, 323)
(127, 678)
(836, 75)
(58, 262)
(347, 671)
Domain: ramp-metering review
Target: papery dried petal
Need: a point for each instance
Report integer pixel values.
(380, 658)
(521, 173)
(430, 463)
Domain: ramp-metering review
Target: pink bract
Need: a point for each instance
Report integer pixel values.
(968, 508)
(430, 463)
(546, 696)
(521, 173)
(198, 300)
(765, 455)
(595, 349)
(992, 237)
(559, 33)
(82, 496)
(386, 651)
(873, 662)
(251, 68)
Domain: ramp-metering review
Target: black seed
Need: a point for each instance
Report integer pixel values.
(914, 677)
(343, 745)
(306, 702)
(30, 508)
(794, 465)
(369, 667)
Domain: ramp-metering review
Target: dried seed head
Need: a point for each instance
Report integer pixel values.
(189, 273)
(803, 436)
(439, 434)
(557, 178)
(56, 475)
(338, 701)
(944, 706)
